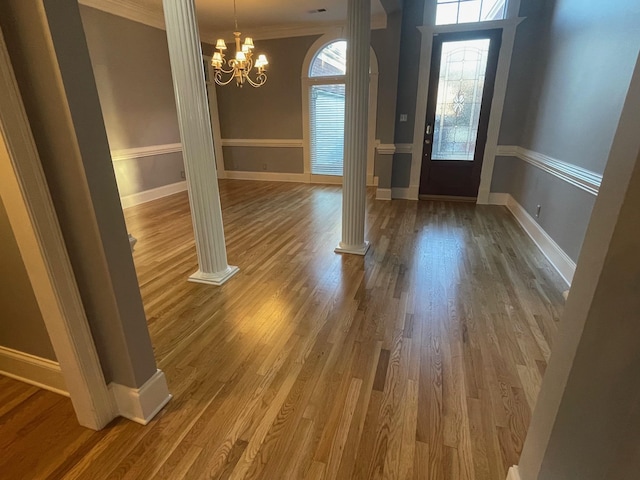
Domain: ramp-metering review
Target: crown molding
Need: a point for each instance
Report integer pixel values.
(131, 10)
(273, 32)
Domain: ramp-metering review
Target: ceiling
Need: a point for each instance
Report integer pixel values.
(258, 18)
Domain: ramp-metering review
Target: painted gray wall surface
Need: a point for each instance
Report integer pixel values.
(271, 159)
(582, 76)
(144, 173)
(570, 73)
(21, 325)
(565, 209)
(70, 136)
(383, 170)
(585, 424)
(274, 110)
(133, 75)
(407, 92)
(386, 45)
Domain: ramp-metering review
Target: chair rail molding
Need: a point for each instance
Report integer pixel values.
(263, 142)
(577, 176)
(385, 149)
(33, 370)
(406, 148)
(149, 151)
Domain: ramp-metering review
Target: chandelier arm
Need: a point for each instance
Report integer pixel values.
(219, 81)
(261, 79)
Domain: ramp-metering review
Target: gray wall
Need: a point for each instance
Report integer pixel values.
(407, 91)
(52, 66)
(275, 110)
(131, 66)
(571, 70)
(21, 326)
(585, 424)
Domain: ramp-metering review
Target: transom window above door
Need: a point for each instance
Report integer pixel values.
(468, 11)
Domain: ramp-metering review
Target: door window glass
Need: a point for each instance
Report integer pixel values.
(460, 88)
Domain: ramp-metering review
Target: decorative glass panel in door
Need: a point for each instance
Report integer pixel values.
(463, 71)
(460, 89)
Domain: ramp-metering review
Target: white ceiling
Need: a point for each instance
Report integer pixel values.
(215, 17)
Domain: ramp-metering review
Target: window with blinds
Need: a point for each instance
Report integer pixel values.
(327, 129)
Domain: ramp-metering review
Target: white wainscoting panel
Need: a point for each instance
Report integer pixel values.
(150, 151)
(565, 266)
(33, 370)
(577, 176)
(141, 404)
(152, 194)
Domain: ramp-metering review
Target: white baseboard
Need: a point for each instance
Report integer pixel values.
(141, 404)
(513, 473)
(409, 193)
(267, 176)
(33, 370)
(383, 194)
(153, 194)
(565, 266)
(498, 199)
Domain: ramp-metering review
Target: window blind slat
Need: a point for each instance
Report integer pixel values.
(327, 129)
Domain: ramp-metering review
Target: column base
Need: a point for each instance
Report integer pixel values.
(216, 279)
(353, 249)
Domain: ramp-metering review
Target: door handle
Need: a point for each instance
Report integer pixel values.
(429, 129)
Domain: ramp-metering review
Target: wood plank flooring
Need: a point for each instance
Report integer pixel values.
(422, 360)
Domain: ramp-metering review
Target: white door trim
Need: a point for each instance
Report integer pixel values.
(428, 30)
(26, 197)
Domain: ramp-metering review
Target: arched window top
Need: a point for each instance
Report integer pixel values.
(330, 61)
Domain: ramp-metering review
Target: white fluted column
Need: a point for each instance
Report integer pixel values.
(197, 142)
(354, 181)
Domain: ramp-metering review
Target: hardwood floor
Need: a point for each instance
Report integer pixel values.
(420, 361)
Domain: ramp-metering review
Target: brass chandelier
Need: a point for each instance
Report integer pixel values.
(241, 66)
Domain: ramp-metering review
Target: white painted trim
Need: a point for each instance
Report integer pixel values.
(383, 194)
(428, 30)
(498, 199)
(263, 142)
(565, 266)
(577, 176)
(404, 148)
(33, 370)
(385, 149)
(25, 194)
(142, 404)
(132, 10)
(152, 194)
(268, 176)
(150, 151)
(497, 106)
(408, 193)
(513, 473)
(378, 22)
